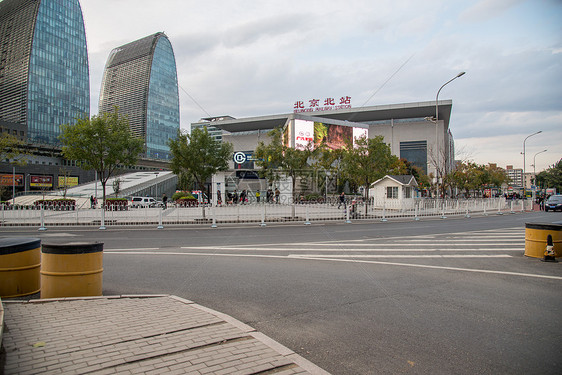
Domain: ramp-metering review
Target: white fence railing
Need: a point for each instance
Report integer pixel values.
(261, 213)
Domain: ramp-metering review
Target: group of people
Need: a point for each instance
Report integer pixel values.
(235, 198)
(242, 197)
(270, 196)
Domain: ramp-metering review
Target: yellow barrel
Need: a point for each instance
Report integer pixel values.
(72, 270)
(20, 260)
(536, 236)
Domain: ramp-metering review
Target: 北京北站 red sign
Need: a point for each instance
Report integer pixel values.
(327, 104)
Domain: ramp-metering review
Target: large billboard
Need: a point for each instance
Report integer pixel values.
(41, 181)
(67, 181)
(315, 133)
(9, 179)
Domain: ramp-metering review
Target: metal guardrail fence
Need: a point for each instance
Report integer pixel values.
(260, 213)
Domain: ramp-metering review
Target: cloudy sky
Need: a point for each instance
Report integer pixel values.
(258, 57)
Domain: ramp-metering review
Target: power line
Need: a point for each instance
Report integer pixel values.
(389, 78)
(194, 101)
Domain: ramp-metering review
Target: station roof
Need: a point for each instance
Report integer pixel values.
(348, 117)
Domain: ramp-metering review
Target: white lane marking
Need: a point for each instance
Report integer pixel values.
(364, 245)
(440, 268)
(363, 242)
(347, 261)
(343, 248)
(135, 249)
(399, 256)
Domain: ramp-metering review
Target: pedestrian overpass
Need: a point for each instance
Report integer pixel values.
(143, 183)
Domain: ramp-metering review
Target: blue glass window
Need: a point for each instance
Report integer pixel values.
(415, 152)
(59, 86)
(163, 113)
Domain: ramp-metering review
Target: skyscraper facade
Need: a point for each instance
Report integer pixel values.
(140, 79)
(44, 74)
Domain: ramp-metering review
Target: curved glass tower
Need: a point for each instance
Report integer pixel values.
(44, 76)
(140, 79)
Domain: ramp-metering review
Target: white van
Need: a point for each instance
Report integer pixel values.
(143, 202)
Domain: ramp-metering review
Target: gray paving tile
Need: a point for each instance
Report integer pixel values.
(137, 334)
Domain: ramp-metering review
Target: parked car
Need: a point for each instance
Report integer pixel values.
(143, 202)
(553, 203)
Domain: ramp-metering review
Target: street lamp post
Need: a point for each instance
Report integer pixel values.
(534, 161)
(525, 140)
(535, 169)
(437, 161)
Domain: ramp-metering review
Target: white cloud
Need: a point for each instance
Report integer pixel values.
(486, 9)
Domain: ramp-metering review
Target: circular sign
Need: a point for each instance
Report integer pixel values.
(239, 157)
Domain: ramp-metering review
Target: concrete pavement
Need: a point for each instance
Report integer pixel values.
(154, 334)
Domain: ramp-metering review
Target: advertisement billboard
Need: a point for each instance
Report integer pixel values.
(67, 181)
(8, 179)
(316, 133)
(41, 181)
(304, 133)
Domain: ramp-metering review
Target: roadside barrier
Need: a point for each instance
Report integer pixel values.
(543, 241)
(261, 213)
(71, 270)
(20, 261)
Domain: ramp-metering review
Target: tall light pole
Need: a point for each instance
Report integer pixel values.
(525, 140)
(534, 161)
(437, 161)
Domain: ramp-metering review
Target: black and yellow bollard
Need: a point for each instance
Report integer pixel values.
(20, 261)
(543, 241)
(549, 254)
(72, 270)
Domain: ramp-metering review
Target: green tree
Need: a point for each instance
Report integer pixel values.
(552, 177)
(367, 161)
(469, 176)
(422, 179)
(199, 155)
(101, 143)
(497, 176)
(329, 162)
(12, 149)
(279, 160)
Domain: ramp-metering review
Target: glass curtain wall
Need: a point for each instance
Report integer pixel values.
(59, 88)
(163, 116)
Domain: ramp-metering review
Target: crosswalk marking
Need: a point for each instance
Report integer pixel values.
(508, 244)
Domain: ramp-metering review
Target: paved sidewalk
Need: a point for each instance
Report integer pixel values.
(134, 335)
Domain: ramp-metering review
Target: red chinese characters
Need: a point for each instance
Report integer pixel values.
(328, 104)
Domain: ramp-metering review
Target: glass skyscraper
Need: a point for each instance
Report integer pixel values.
(140, 79)
(44, 76)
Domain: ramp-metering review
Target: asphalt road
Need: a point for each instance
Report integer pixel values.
(429, 297)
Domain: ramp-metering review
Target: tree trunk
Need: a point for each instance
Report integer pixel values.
(103, 182)
(366, 201)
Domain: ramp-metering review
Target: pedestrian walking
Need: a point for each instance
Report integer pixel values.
(277, 194)
(258, 195)
(165, 201)
(342, 200)
(92, 202)
(243, 197)
(235, 197)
